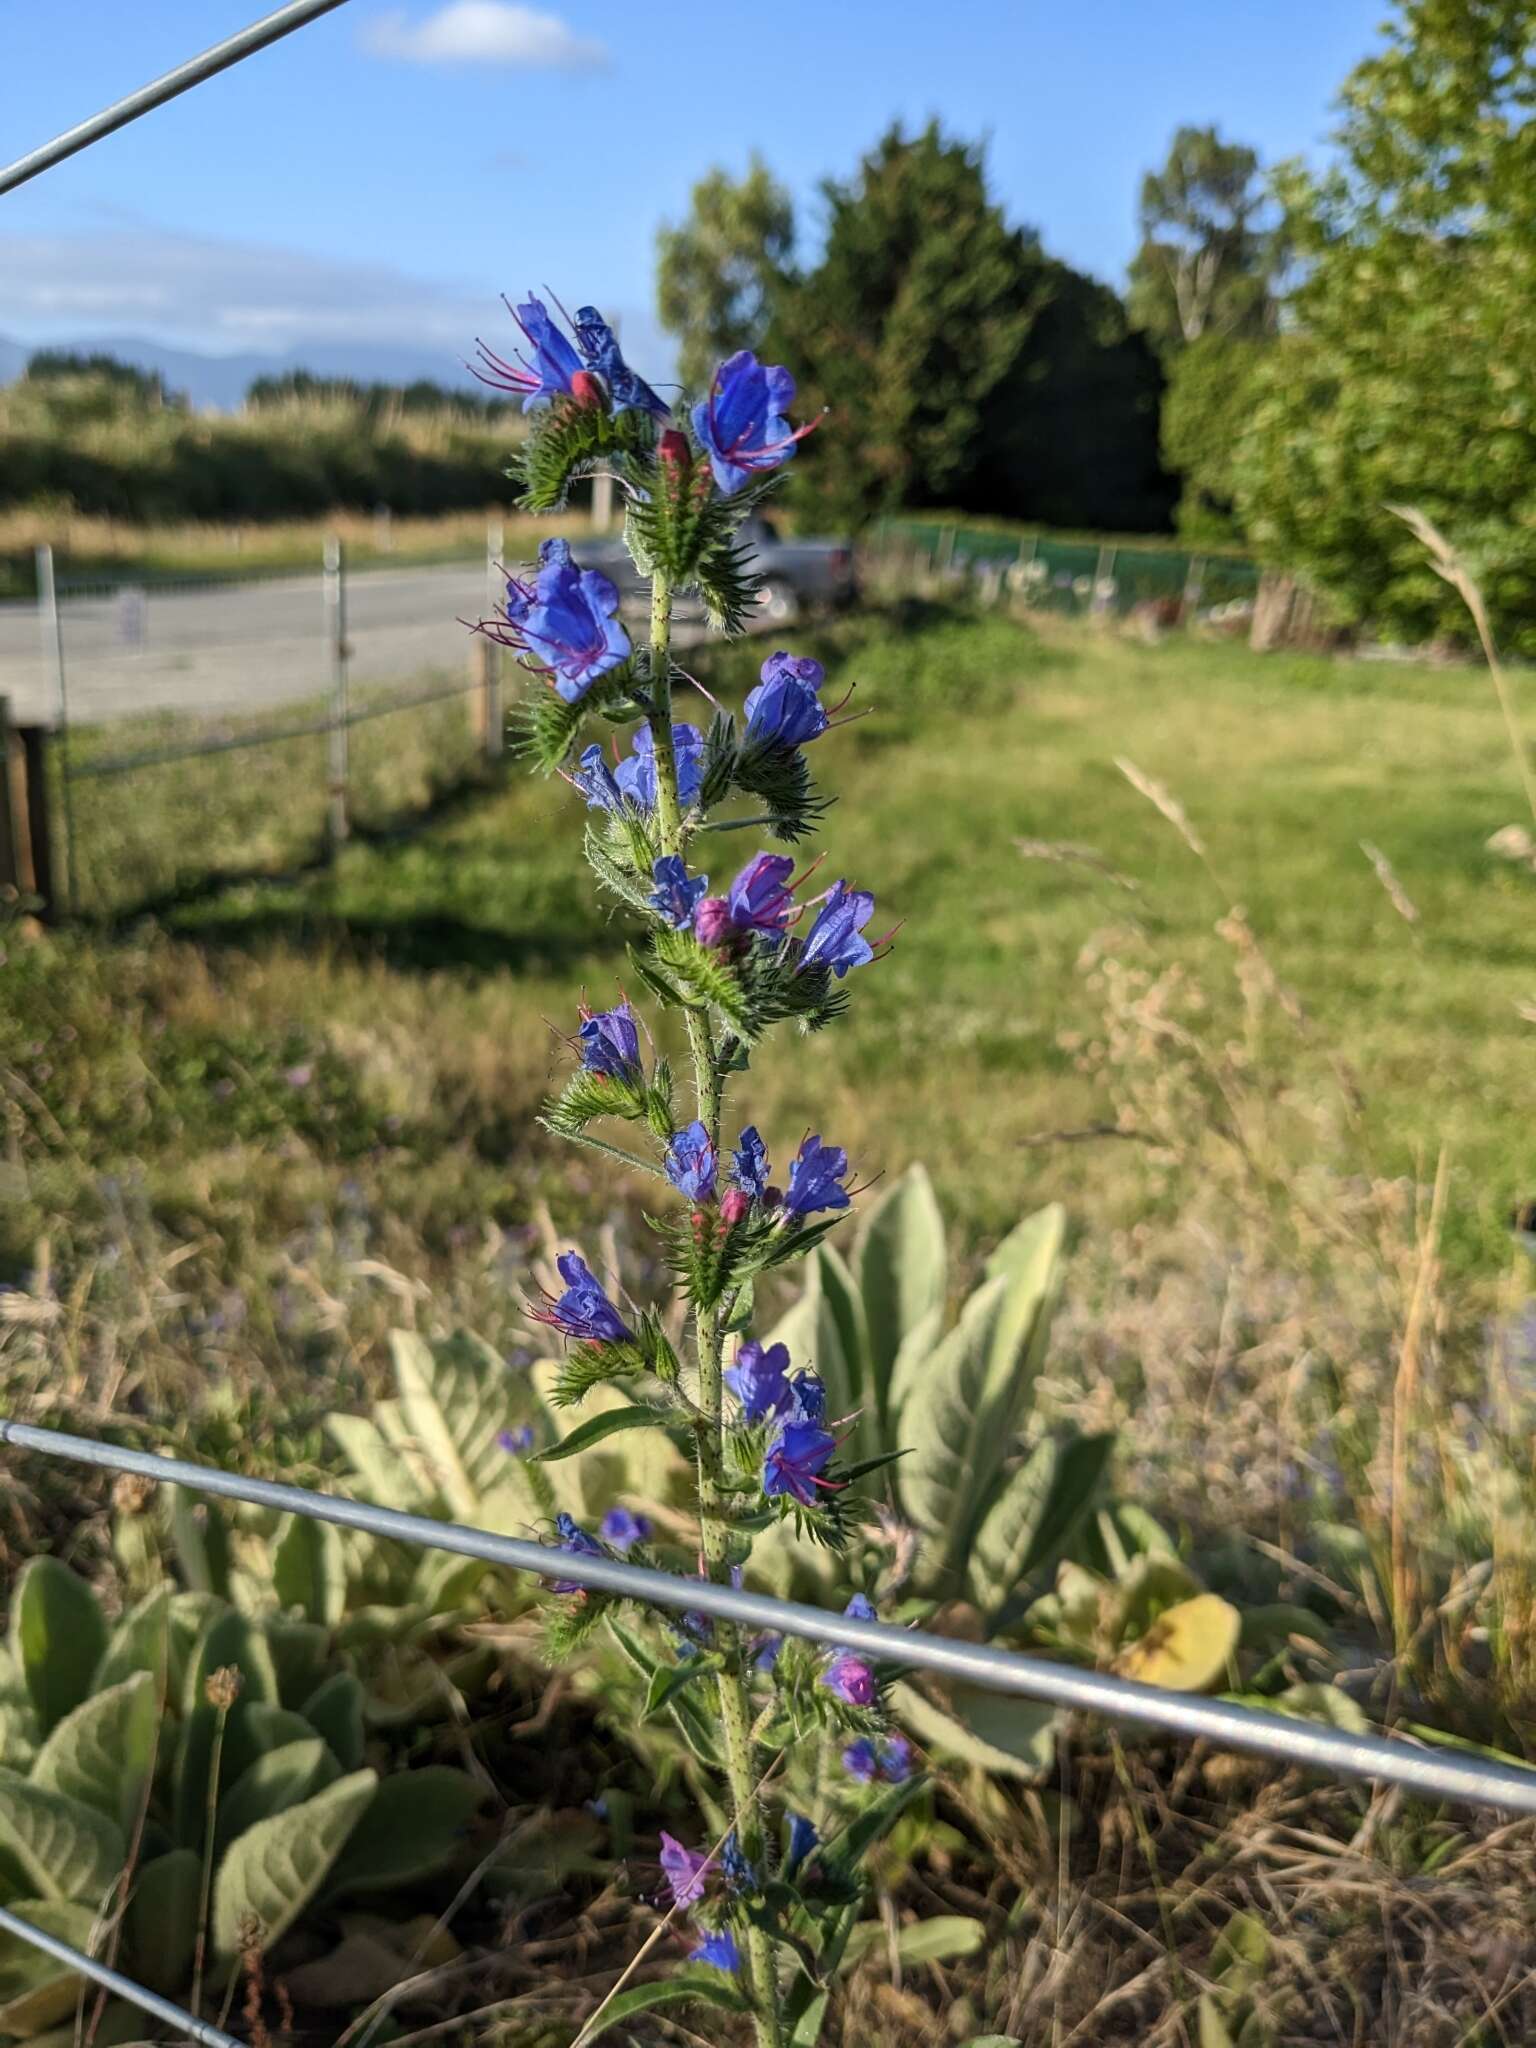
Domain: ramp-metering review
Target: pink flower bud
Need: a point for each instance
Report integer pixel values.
(734, 1204)
(712, 921)
(672, 450)
(586, 390)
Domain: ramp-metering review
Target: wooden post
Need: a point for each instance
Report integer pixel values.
(10, 822)
(1193, 579)
(34, 748)
(336, 739)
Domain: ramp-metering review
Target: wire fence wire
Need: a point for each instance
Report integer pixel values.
(1462, 1777)
(114, 1981)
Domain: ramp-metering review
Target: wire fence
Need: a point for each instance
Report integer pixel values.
(200, 727)
(1078, 577)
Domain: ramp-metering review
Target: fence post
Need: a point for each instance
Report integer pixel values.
(10, 816)
(488, 698)
(38, 842)
(51, 640)
(1193, 578)
(336, 637)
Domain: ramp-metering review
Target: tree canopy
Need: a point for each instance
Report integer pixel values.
(716, 272)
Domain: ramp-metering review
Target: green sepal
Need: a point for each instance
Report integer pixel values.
(567, 440)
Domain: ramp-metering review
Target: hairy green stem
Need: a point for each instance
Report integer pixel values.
(710, 1338)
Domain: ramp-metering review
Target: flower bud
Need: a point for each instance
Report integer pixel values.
(734, 1204)
(712, 921)
(673, 452)
(222, 1688)
(586, 389)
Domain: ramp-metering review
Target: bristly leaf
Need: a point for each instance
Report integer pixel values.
(587, 1095)
(718, 769)
(567, 440)
(703, 981)
(614, 874)
(781, 778)
(586, 1366)
(544, 728)
(571, 1621)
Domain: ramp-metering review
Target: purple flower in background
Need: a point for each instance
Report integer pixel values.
(610, 1043)
(796, 1459)
(593, 777)
(815, 1178)
(749, 1163)
(808, 1397)
(677, 893)
(757, 1380)
(683, 1869)
(803, 1838)
(851, 1679)
(718, 1950)
(742, 423)
(784, 710)
(759, 900)
(583, 1310)
(835, 940)
(888, 1758)
(573, 1538)
(690, 1163)
(516, 1441)
(600, 351)
(636, 774)
(623, 1530)
(554, 362)
(567, 621)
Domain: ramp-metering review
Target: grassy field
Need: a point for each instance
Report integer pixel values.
(246, 1135)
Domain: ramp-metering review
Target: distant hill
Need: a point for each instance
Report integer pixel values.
(221, 381)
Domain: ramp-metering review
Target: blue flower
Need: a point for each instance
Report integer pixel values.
(861, 1608)
(742, 423)
(573, 1538)
(622, 1530)
(815, 1177)
(677, 893)
(554, 363)
(784, 710)
(757, 1380)
(594, 779)
(610, 1043)
(861, 1760)
(764, 1651)
(759, 901)
(690, 1162)
(568, 621)
(718, 1950)
(583, 1310)
(835, 940)
(749, 1164)
(851, 1679)
(737, 1871)
(515, 1441)
(808, 1397)
(887, 1757)
(796, 1459)
(803, 1838)
(637, 774)
(684, 1870)
(600, 351)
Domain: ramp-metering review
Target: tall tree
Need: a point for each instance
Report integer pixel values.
(919, 308)
(716, 272)
(1211, 245)
(1405, 373)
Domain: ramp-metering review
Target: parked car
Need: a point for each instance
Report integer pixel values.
(798, 575)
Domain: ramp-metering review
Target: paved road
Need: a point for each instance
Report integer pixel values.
(240, 647)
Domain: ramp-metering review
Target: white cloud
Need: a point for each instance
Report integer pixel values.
(484, 32)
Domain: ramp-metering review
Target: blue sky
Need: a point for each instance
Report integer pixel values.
(383, 173)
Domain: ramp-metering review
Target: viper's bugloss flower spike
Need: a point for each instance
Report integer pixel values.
(851, 1679)
(796, 1459)
(621, 1530)
(583, 1311)
(567, 622)
(673, 452)
(683, 1869)
(784, 709)
(749, 1163)
(815, 1178)
(555, 365)
(573, 1538)
(636, 774)
(742, 423)
(690, 1162)
(757, 1379)
(836, 939)
(676, 895)
(718, 1950)
(759, 901)
(610, 1043)
(600, 351)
